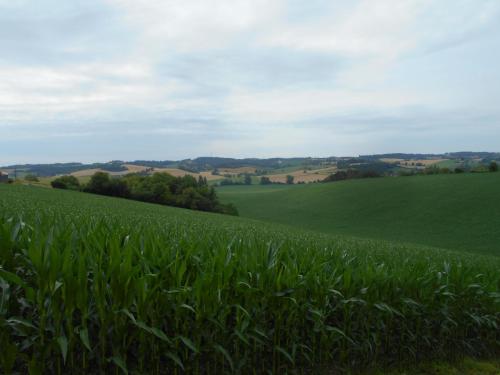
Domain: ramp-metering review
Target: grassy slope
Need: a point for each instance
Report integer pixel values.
(451, 211)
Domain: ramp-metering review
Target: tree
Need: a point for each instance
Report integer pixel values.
(247, 180)
(161, 188)
(202, 181)
(265, 180)
(66, 182)
(98, 184)
(289, 179)
(493, 167)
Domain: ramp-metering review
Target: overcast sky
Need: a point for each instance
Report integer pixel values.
(96, 80)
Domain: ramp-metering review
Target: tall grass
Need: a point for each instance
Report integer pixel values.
(91, 284)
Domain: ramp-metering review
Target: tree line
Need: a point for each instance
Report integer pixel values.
(160, 188)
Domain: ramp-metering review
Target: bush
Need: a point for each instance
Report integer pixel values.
(66, 182)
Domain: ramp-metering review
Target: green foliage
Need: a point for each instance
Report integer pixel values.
(493, 167)
(455, 211)
(99, 285)
(66, 182)
(289, 179)
(351, 174)
(161, 188)
(265, 180)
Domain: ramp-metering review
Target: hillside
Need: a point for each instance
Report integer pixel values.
(304, 169)
(96, 284)
(452, 211)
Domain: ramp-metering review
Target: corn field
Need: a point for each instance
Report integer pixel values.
(92, 284)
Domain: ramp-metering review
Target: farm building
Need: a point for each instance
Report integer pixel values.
(4, 177)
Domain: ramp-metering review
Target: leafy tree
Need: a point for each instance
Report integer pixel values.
(265, 180)
(351, 174)
(247, 180)
(289, 179)
(161, 188)
(202, 181)
(98, 184)
(493, 167)
(66, 182)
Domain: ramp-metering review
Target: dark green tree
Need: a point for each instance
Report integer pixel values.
(66, 182)
(265, 180)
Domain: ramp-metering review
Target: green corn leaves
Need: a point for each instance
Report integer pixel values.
(99, 285)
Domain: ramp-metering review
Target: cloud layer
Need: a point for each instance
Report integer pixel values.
(122, 79)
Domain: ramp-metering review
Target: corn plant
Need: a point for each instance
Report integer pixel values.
(90, 284)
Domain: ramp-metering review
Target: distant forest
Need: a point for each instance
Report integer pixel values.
(213, 163)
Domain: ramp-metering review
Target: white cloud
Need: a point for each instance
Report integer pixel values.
(282, 67)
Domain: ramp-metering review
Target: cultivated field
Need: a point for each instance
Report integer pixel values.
(452, 211)
(92, 283)
(306, 176)
(408, 162)
(132, 168)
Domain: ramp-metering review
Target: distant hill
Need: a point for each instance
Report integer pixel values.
(383, 163)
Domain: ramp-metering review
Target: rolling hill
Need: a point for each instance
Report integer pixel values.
(460, 212)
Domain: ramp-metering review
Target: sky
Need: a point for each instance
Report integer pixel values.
(99, 80)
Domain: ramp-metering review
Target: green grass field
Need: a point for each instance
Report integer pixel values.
(95, 284)
(460, 212)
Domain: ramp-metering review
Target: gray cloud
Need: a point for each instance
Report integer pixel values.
(167, 80)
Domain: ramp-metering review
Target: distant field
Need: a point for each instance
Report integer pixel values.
(303, 175)
(459, 212)
(409, 162)
(132, 168)
(92, 284)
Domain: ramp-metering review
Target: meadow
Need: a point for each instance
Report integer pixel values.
(459, 211)
(92, 284)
